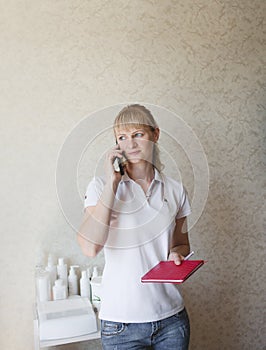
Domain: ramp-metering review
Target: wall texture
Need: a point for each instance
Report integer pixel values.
(201, 59)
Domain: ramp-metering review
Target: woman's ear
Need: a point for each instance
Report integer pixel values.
(156, 134)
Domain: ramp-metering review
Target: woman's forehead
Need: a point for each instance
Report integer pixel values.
(130, 128)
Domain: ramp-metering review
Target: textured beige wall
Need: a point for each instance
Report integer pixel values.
(205, 61)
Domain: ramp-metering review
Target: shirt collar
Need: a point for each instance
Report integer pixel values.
(157, 176)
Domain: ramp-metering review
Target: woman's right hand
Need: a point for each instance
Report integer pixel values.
(111, 174)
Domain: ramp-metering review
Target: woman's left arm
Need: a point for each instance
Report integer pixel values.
(180, 246)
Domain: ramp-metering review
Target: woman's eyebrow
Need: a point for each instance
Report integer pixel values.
(138, 130)
(131, 132)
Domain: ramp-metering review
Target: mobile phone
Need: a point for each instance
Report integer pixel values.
(118, 164)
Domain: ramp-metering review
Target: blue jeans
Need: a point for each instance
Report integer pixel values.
(171, 333)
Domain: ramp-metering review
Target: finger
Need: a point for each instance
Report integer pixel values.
(175, 257)
(113, 154)
(177, 260)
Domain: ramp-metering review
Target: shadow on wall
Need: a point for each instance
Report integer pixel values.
(220, 298)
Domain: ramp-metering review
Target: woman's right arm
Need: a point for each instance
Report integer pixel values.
(93, 231)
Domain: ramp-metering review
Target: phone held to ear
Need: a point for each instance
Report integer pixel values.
(118, 164)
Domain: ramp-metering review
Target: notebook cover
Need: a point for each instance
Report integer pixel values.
(169, 272)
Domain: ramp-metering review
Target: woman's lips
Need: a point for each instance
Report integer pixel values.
(132, 154)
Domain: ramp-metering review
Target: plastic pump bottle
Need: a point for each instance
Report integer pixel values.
(62, 270)
(85, 289)
(72, 281)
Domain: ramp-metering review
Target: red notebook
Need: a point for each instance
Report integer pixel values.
(169, 272)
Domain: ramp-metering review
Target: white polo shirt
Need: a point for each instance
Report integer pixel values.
(140, 232)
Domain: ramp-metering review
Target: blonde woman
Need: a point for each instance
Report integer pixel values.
(139, 218)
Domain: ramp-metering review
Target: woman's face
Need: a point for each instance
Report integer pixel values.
(137, 142)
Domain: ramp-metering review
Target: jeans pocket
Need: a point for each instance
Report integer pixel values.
(109, 328)
(183, 324)
(181, 315)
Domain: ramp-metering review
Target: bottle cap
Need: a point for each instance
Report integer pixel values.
(61, 261)
(72, 271)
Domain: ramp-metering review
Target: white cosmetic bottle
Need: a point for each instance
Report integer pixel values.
(51, 268)
(43, 286)
(62, 270)
(72, 281)
(59, 290)
(85, 288)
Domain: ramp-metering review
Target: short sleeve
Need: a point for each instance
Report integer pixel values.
(184, 207)
(93, 192)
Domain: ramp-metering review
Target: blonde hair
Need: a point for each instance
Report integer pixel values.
(138, 115)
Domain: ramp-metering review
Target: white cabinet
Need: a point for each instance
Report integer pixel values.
(64, 321)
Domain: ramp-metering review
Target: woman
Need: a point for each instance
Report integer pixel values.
(139, 218)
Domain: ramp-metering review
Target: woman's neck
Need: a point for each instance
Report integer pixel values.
(142, 174)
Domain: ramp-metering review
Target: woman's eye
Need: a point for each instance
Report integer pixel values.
(138, 134)
(121, 138)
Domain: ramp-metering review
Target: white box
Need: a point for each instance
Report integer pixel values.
(67, 318)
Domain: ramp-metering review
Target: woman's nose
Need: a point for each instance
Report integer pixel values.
(131, 143)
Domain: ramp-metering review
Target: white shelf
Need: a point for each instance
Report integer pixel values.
(46, 343)
(40, 344)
